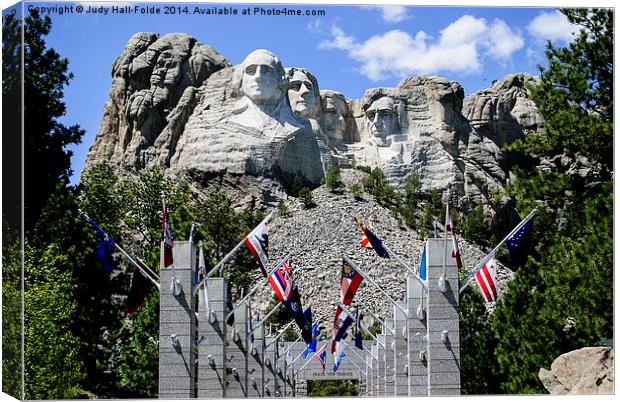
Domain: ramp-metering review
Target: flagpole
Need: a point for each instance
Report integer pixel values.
(275, 339)
(88, 219)
(149, 270)
(309, 360)
(377, 286)
(234, 250)
(137, 265)
(375, 316)
(486, 257)
(412, 272)
(272, 311)
(356, 354)
(361, 325)
(289, 348)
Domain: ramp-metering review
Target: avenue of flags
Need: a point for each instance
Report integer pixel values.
(280, 276)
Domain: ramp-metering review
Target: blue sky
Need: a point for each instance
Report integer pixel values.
(350, 49)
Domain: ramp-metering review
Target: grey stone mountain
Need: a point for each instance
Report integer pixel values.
(178, 104)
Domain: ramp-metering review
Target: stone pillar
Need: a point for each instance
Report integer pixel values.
(370, 380)
(256, 372)
(389, 357)
(269, 388)
(443, 321)
(301, 387)
(416, 328)
(381, 365)
(401, 381)
(237, 353)
(177, 378)
(212, 348)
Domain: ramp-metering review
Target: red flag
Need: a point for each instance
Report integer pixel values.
(456, 253)
(486, 279)
(257, 242)
(281, 280)
(349, 282)
(168, 239)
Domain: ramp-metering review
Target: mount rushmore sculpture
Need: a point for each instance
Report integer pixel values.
(178, 104)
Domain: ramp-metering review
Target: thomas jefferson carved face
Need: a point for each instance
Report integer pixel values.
(334, 111)
(263, 77)
(301, 95)
(381, 118)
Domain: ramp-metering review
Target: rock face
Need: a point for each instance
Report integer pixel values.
(178, 104)
(155, 87)
(585, 371)
(317, 238)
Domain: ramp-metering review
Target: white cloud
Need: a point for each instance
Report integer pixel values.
(315, 26)
(391, 14)
(461, 48)
(553, 26)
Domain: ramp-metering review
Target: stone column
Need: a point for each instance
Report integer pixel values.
(256, 372)
(389, 357)
(212, 348)
(269, 364)
(416, 328)
(177, 322)
(370, 380)
(401, 381)
(237, 353)
(381, 375)
(443, 321)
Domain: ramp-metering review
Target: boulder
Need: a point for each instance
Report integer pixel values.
(589, 370)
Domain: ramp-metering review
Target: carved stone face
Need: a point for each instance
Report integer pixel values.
(334, 112)
(262, 77)
(381, 119)
(301, 95)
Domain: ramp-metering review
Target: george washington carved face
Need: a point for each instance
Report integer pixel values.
(263, 78)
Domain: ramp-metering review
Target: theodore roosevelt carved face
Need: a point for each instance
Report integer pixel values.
(301, 95)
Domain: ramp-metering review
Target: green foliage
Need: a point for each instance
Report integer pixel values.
(46, 159)
(53, 368)
(410, 206)
(377, 185)
(374, 329)
(333, 180)
(575, 96)
(562, 298)
(11, 316)
(305, 196)
(475, 228)
(332, 388)
(356, 190)
(282, 208)
(363, 168)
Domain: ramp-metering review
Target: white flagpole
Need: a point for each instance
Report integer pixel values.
(361, 325)
(142, 269)
(275, 339)
(149, 270)
(376, 317)
(234, 250)
(356, 354)
(309, 360)
(373, 282)
(486, 257)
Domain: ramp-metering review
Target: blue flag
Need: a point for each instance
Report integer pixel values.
(311, 347)
(423, 264)
(105, 247)
(358, 331)
(519, 244)
(339, 358)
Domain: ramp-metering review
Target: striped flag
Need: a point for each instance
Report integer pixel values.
(342, 321)
(486, 278)
(281, 280)
(370, 240)
(257, 241)
(350, 280)
(321, 354)
(456, 253)
(168, 238)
